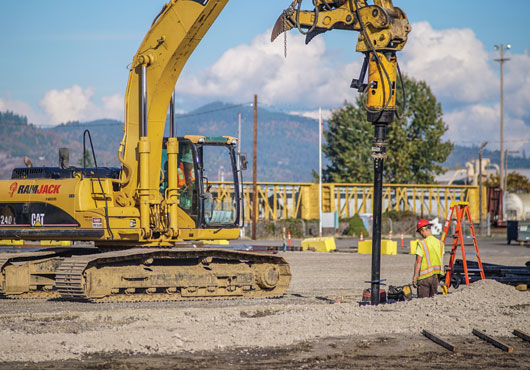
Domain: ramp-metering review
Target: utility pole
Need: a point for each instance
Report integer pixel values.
(239, 132)
(320, 123)
(501, 60)
(505, 183)
(255, 171)
(480, 184)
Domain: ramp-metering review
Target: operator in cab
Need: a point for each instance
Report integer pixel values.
(186, 179)
(429, 261)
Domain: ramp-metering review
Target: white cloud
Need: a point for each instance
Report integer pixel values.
(456, 66)
(308, 77)
(76, 104)
(517, 85)
(476, 123)
(19, 107)
(314, 114)
(452, 61)
(72, 104)
(67, 105)
(112, 107)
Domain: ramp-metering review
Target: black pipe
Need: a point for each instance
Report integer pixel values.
(378, 155)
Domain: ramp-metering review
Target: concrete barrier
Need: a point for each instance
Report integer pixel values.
(11, 242)
(319, 244)
(387, 247)
(217, 242)
(62, 243)
(413, 246)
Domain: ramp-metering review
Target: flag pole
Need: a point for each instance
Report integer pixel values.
(320, 170)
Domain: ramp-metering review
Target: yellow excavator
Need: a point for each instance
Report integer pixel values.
(145, 220)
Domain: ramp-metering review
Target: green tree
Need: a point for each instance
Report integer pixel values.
(88, 159)
(315, 176)
(415, 147)
(357, 226)
(516, 183)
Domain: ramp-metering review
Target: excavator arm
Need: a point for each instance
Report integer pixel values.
(175, 33)
(383, 31)
(179, 28)
(155, 68)
(386, 26)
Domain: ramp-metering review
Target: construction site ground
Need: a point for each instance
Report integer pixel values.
(319, 323)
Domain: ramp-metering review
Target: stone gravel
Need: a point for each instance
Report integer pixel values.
(57, 330)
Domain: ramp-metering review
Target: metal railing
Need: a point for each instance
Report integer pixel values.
(423, 200)
(279, 201)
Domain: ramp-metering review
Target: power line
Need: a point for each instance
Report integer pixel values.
(213, 110)
(492, 141)
(79, 124)
(69, 125)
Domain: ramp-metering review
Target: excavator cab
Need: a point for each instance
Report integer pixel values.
(209, 180)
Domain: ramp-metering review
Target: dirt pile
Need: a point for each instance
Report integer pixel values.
(62, 332)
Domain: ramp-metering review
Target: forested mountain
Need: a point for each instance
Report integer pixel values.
(461, 154)
(287, 144)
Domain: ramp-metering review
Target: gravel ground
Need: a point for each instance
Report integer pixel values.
(44, 332)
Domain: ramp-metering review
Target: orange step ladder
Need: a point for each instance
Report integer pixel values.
(459, 212)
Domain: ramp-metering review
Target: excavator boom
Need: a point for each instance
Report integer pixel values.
(174, 35)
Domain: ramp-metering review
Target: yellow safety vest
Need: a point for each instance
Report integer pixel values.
(432, 261)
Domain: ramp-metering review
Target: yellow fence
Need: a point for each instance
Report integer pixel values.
(277, 201)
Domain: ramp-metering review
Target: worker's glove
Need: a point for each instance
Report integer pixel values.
(415, 282)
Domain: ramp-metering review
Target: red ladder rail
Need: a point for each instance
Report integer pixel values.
(463, 217)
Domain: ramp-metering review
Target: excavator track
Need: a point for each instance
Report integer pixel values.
(172, 274)
(29, 275)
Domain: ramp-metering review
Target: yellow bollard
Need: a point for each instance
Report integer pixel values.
(413, 245)
(387, 247)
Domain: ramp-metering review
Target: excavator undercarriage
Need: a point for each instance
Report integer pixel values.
(139, 274)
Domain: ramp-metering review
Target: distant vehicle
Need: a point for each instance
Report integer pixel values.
(517, 209)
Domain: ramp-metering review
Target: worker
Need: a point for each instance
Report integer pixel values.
(429, 261)
(186, 179)
(185, 170)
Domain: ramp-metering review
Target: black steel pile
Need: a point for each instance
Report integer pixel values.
(513, 275)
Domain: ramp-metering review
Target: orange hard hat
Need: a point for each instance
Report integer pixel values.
(422, 223)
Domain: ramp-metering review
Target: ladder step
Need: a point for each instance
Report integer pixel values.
(467, 253)
(463, 222)
(460, 268)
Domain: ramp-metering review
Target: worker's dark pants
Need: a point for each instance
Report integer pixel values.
(428, 287)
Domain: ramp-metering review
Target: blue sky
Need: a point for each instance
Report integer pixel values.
(66, 60)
